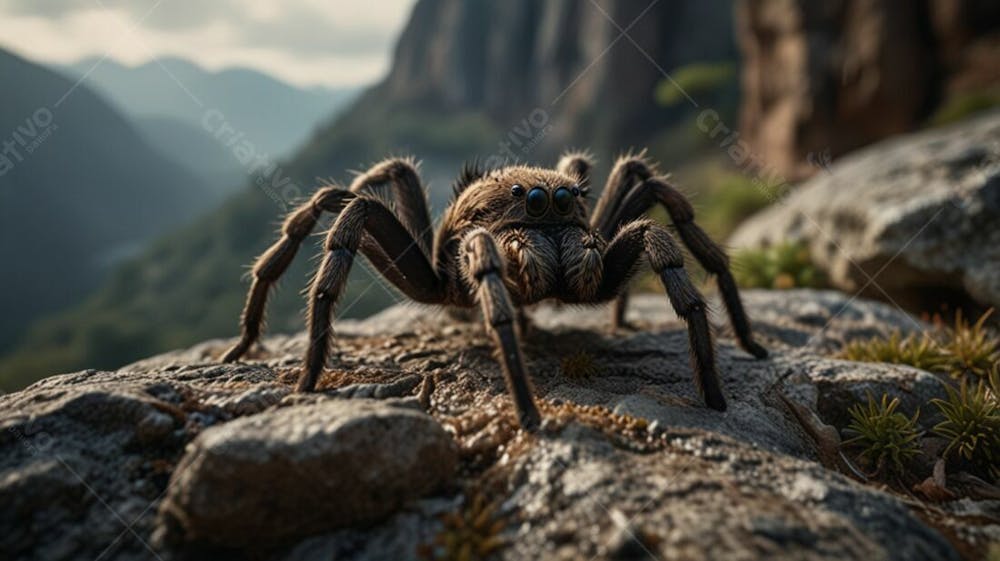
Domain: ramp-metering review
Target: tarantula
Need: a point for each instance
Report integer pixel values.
(511, 237)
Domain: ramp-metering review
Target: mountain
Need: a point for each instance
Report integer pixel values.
(196, 149)
(501, 81)
(79, 189)
(276, 117)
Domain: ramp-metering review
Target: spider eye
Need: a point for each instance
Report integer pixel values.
(562, 199)
(516, 190)
(576, 190)
(537, 201)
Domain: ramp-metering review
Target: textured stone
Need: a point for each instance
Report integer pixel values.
(230, 457)
(301, 470)
(922, 212)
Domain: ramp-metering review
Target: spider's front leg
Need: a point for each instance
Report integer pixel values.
(360, 218)
(483, 269)
(667, 261)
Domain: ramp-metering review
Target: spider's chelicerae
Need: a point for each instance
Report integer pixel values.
(510, 237)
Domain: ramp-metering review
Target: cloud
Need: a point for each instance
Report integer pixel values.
(332, 42)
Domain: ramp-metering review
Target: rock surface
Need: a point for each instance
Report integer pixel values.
(628, 459)
(305, 469)
(823, 78)
(920, 215)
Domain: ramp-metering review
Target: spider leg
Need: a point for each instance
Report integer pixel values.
(411, 209)
(632, 190)
(408, 198)
(578, 165)
(363, 217)
(275, 261)
(620, 259)
(483, 269)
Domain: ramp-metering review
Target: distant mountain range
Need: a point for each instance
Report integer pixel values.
(79, 187)
(274, 116)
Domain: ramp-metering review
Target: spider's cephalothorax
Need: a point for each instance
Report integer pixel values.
(511, 237)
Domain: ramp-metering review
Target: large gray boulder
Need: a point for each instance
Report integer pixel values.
(179, 456)
(917, 217)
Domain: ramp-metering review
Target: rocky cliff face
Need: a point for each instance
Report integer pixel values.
(827, 77)
(565, 58)
(410, 451)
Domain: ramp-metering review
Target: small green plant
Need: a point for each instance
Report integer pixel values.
(579, 366)
(973, 349)
(887, 438)
(782, 266)
(472, 533)
(922, 352)
(972, 424)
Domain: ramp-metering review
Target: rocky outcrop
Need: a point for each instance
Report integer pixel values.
(916, 217)
(180, 455)
(530, 65)
(823, 78)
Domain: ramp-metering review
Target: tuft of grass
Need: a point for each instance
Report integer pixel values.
(579, 366)
(470, 534)
(922, 352)
(972, 348)
(887, 438)
(972, 424)
(783, 266)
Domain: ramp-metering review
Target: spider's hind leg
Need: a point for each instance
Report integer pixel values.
(632, 189)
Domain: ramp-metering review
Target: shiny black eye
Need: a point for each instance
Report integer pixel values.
(576, 190)
(537, 201)
(562, 199)
(517, 190)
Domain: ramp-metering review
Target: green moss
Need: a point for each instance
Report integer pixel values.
(960, 107)
(782, 266)
(886, 438)
(694, 79)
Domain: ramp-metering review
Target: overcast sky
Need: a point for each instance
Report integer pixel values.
(306, 42)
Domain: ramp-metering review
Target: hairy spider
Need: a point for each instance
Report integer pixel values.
(511, 236)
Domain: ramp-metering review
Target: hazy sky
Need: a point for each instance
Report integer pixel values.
(307, 42)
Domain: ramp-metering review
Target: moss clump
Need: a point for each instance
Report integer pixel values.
(972, 425)
(783, 266)
(471, 533)
(694, 79)
(960, 107)
(579, 366)
(922, 352)
(887, 439)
